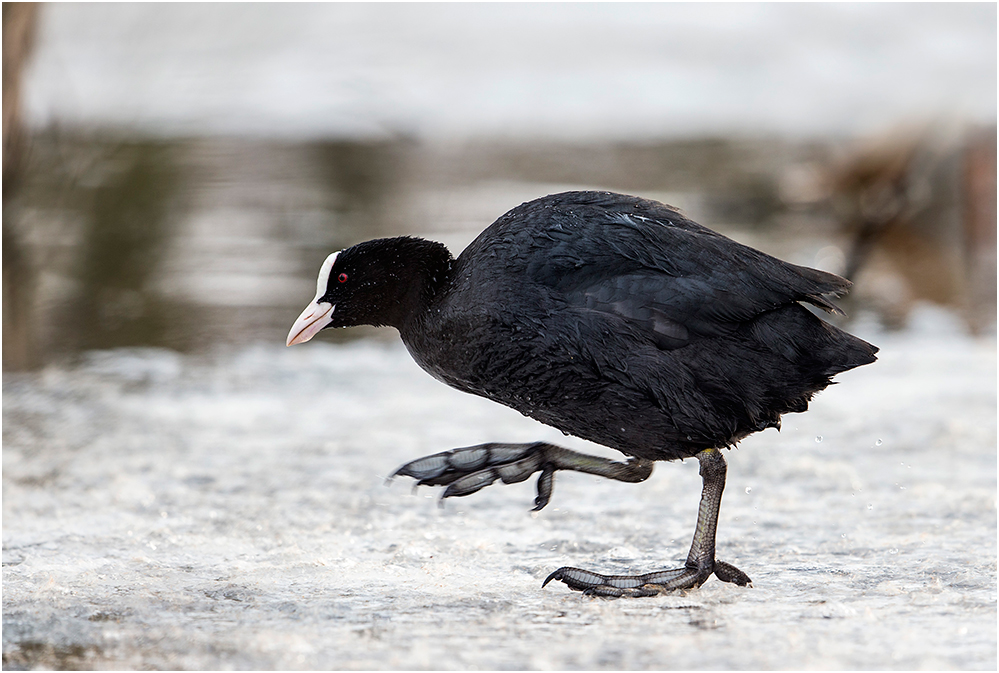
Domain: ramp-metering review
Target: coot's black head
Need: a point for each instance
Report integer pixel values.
(387, 281)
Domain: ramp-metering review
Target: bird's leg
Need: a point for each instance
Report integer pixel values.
(700, 565)
(465, 471)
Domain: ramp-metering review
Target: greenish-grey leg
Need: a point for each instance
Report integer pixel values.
(467, 470)
(700, 565)
(470, 469)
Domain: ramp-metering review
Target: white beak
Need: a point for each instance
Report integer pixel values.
(316, 316)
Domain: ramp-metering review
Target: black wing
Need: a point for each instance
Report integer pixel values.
(644, 262)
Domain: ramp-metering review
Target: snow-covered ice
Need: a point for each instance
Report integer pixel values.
(229, 511)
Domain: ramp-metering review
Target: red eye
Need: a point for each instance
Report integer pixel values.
(342, 278)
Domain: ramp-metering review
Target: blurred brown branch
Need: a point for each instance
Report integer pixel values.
(18, 32)
(19, 21)
(920, 206)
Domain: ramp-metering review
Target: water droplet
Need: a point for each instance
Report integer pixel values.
(818, 439)
(892, 551)
(843, 535)
(870, 505)
(878, 443)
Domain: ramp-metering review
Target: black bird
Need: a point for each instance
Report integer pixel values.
(612, 318)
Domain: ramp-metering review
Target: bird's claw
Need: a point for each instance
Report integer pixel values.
(546, 482)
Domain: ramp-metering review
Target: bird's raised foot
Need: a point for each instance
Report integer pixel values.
(650, 584)
(467, 470)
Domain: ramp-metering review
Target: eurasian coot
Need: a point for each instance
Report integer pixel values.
(612, 318)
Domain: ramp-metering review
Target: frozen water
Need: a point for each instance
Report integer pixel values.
(229, 511)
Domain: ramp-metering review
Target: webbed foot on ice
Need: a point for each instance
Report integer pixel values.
(650, 584)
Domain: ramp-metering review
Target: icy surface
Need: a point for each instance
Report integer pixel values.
(230, 512)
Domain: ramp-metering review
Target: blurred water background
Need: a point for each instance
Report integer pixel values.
(180, 491)
(174, 174)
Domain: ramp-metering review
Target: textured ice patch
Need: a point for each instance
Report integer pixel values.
(230, 511)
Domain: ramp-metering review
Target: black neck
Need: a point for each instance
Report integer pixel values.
(418, 271)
